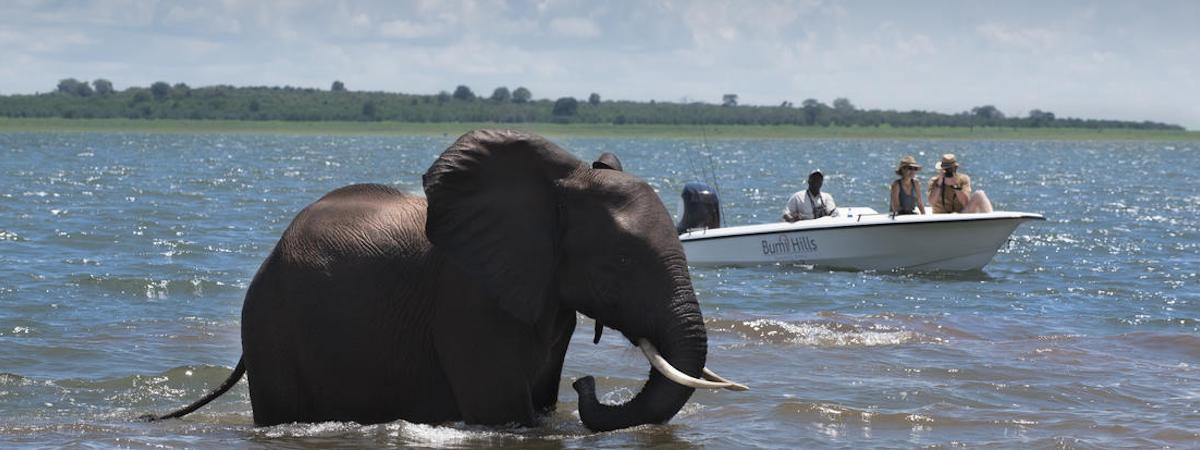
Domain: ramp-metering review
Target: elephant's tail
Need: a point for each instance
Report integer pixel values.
(228, 383)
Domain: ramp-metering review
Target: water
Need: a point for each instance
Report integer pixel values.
(124, 259)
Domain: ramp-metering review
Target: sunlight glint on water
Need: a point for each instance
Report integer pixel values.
(124, 259)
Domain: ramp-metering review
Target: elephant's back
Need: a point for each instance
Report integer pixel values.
(356, 222)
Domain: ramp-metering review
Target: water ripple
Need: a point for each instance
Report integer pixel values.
(124, 259)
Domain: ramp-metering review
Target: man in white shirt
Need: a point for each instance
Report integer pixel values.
(810, 203)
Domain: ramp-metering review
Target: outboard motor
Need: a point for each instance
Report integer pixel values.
(701, 208)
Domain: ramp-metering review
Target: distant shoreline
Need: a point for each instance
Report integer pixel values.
(170, 126)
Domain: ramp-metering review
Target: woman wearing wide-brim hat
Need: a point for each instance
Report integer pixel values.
(950, 191)
(906, 191)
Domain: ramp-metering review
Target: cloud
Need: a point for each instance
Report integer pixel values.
(94, 12)
(1070, 58)
(721, 22)
(402, 29)
(576, 27)
(48, 40)
(917, 44)
(202, 19)
(1031, 39)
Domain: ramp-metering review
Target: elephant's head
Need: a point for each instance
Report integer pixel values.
(544, 230)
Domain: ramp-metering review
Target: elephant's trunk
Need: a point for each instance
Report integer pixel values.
(684, 345)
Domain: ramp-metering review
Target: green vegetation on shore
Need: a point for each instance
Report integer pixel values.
(8, 125)
(384, 111)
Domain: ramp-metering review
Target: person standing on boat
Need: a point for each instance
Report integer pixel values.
(810, 203)
(950, 191)
(906, 192)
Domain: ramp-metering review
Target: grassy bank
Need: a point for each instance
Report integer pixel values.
(8, 125)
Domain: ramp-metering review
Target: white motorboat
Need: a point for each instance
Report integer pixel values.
(857, 238)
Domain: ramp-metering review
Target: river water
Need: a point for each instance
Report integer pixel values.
(124, 259)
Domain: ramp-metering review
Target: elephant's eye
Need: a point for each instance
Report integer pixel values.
(623, 261)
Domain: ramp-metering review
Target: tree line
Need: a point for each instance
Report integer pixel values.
(73, 98)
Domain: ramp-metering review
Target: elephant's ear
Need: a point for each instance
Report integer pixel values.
(493, 208)
(607, 161)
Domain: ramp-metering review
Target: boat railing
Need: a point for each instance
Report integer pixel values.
(890, 216)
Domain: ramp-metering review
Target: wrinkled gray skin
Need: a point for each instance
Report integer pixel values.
(378, 305)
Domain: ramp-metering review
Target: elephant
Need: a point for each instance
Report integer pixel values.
(377, 305)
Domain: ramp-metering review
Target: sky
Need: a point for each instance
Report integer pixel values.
(1124, 60)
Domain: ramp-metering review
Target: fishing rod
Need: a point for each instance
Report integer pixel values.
(692, 162)
(711, 166)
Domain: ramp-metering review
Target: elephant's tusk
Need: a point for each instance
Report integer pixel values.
(678, 376)
(712, 376)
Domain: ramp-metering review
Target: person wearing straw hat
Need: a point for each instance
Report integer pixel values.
(811, 203)
(906, 191)
(950, 191)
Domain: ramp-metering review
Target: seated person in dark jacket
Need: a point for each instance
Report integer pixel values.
(810, 203)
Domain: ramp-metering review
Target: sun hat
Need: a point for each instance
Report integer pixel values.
(816, 173)
(948, 160)
(907, 161)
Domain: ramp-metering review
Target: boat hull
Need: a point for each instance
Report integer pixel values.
(869, 242)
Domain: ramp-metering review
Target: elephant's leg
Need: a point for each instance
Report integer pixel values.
(489, 376)
(275, 393)
(545, 386)
(489, 357)
(274, 396)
